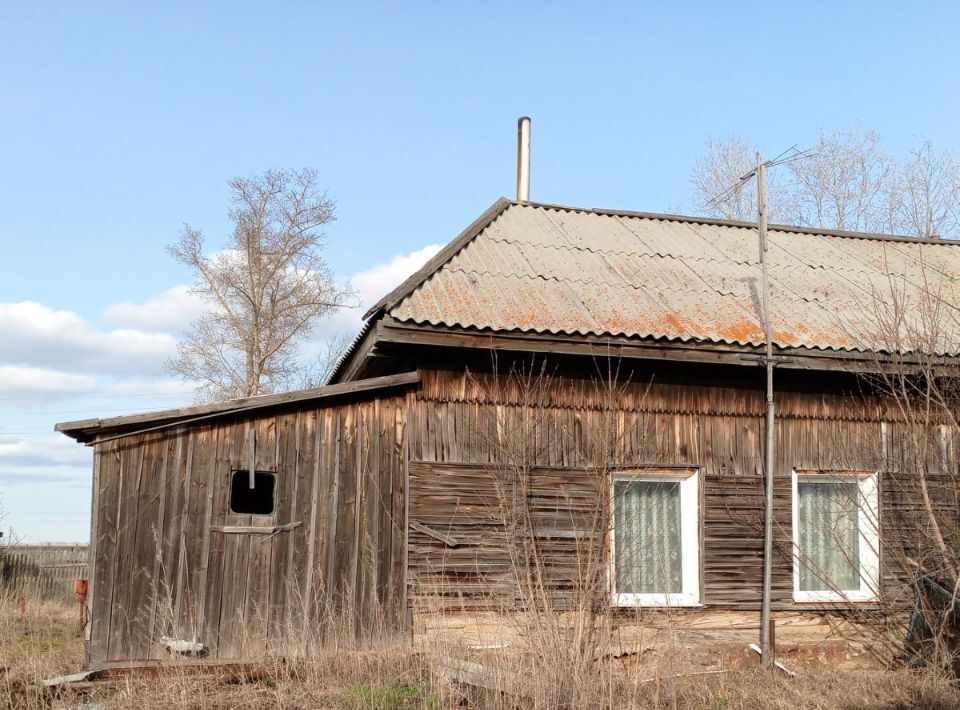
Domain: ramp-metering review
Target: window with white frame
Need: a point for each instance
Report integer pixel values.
(655, 541)
(835, 536)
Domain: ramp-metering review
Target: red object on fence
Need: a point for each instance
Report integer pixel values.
(80, 587)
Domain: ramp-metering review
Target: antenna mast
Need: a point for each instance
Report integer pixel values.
(765, 650)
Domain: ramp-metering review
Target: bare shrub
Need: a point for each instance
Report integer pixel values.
(46, 642)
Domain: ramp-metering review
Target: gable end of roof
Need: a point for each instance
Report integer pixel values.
(439, 259)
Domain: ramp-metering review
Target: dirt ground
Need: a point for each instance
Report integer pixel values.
(40, 640)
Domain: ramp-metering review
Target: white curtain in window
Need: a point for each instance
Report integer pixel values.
(647, 537)
(829, 536)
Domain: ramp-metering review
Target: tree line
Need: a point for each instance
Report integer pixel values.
(847, 181)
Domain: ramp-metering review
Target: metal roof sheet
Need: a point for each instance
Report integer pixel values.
(548, 269)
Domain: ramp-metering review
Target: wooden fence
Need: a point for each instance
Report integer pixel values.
(49, 570)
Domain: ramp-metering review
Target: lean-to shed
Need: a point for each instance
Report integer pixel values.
(596, 371)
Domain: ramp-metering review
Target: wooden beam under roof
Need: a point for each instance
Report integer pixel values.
(390, 331)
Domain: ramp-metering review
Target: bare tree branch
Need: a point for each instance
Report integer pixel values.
(925, 198)
(717, 188)
(266, 289)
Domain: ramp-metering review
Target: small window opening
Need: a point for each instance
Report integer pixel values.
(258, 500)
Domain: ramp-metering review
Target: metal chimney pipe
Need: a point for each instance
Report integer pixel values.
(523, 159)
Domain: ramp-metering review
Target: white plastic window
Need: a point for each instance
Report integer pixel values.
(655, 541)
(835, 537)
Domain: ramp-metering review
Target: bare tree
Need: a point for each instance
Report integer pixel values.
(924, 200)
(842, 184)
(847, 181)
(717, 187)
(266, 289)
(919, 380)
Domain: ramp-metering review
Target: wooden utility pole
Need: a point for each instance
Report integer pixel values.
(765, 650)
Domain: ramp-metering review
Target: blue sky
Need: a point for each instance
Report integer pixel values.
(121, 121)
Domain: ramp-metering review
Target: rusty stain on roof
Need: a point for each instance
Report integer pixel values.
(547, 269)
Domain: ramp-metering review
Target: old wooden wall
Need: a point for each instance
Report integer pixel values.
(345, 552)
(170, 561)
(467, 426)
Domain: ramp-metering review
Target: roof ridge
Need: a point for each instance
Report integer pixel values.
(716, 221)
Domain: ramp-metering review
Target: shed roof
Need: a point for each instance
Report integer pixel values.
(550, 269)
(87, 430)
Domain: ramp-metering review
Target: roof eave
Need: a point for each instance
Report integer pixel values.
(90, 430)
(704, 351)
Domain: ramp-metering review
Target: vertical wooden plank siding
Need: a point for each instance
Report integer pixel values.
(123, 615)
(92, 556)
(165, 562)
(358, 480)
(215, 559)
(194, 533)
(288, 459)
(144, 553)
(235, 567)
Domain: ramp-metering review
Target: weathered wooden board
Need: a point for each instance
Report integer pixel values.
(469, 425)
(170, 558)
(339, 555)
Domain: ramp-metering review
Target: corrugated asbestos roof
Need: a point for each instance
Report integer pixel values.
(549, 269)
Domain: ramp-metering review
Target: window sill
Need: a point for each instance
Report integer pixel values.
(836, 602)
(851, 597)
(255, 529)
(623, 601)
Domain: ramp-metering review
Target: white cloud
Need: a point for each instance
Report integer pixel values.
(169, 311)
(378, 281)
(39, 336)
(43, 451)
(371, 285)
(40, 382)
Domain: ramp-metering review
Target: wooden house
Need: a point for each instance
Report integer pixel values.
(550, 365)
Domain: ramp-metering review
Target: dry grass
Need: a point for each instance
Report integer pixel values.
(43, 640)
(38, 639)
